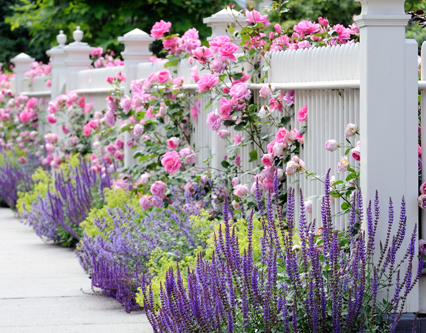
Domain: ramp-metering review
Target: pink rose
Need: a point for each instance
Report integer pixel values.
(145, 178)
(419, 150)
(119, 143)
(207, 81)
(48, 83)
(241, 191)
(118, 155)
(110, 79)
(145, 203)
(282, 135)
(237, 139)
(223, 134)
(356, 153)
(277, 28)
(331, 145)
(213, 121)
(343, 165)
(254, 17)
(126, 104)
(22, 160)
(351, 130)
(202, 54)
(306, 27)
(289, 98)
(188, 155)
(225, 108)
(25, 116)
(302, 115)
(171, 162)
(268, 184)
(172, 143)
(163, 76)
(422, 246)
(218, 41)
(423, 188)
(240, 91)
(268, 160)
(160, 28)
(422, 201)
(227, 51)
(158, 188)
(110, 118)
(308, 206)
(138, 129)
(265, 92)
(194, 74)
(74, 141)
(51, 118)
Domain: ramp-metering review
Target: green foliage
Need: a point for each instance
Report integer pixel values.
(113, 198)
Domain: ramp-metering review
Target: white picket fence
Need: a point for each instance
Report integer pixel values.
(371, 84)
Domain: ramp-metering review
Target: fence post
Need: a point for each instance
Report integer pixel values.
(77, 59)
(22, 64)
(388, 125)
(136, 50)
(219, 23)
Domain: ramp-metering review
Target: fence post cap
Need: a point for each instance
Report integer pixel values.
(61, 38)
(135, 34)
(225, 15)
(22, 58)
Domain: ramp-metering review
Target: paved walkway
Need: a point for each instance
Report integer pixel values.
(40, 289)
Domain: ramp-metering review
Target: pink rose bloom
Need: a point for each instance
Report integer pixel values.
(423, 188)
(351, 129)
(160, 28)
(322, 21)
(110, 118)
(278, 148)
(219, 64)
(277, 28)
(343, 165)
(253, 17)
(268, 184)
(419, 150)
(289, 98)
(145, 203)
(241, 191)
(282, 135)
(50, 148)
(268, 160)
(422, 246)
(178, 81)
(172, 143)
(214, 121)
(87, 129)
(158, 188)
(195, 109)
(119, 144)
(190, 44)
(270, 147)
(240, 91)
(171, 162)
(145, 178)
(138, 129)
(22, 160)
(235, 181)
(227, 51)
(331, 145)
(237, 139)
(191, 34)
(188, 155)
(225, 108)
(118, 155)
(65, 129)
(110, 79)
(51, 118)
(308, 206)
(218, 41)
(202, 54)
(126, 104)
(306, 27)
(223, 134)
(265, 92)
(111, 149)
(74, 141)
(207, 81)
(344, 33)
(32, 102)
(356, 153)
(25, 116)
(163, 76)
(302, 115)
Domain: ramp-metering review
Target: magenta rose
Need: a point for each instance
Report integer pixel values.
(356, 153)
(423, 188)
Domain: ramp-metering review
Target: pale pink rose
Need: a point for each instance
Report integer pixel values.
(265, 92)
(235, 181)
(219, 64)
(188, 155)
(138, 129)
(291, 168)
(178, 81)
(227, 51)
(171, 162)
(280, 174)
(158, 188)
(162, 110)
(356, 153)
(351, 129)
(218, 41)
(50, 148)
(282, 135)
(202, 54)
(145, 203)
(225, 107)
(191, 34)
(223, 134)
(51, 118)
(122, 184)
(163, 76)
(268, 160)
(207, 81)
(51, 138)
(160, 28)
(110, 118)
(118, 155)
(48, 83)
(172, 143)
(126, 104)
(268, 184)
(74, 141)
(343, 165)
(306, 27)
(214, 121)
(96, 144)
(240, 91)
(237, 139)
(190, 44)
(289, 98)
(308, 206)
(302, 115)
(331, 145)
(145, 178)
(253, 17)
(241, 191)
(236, 205)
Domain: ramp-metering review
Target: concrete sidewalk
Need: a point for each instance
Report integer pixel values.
(40, 289)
